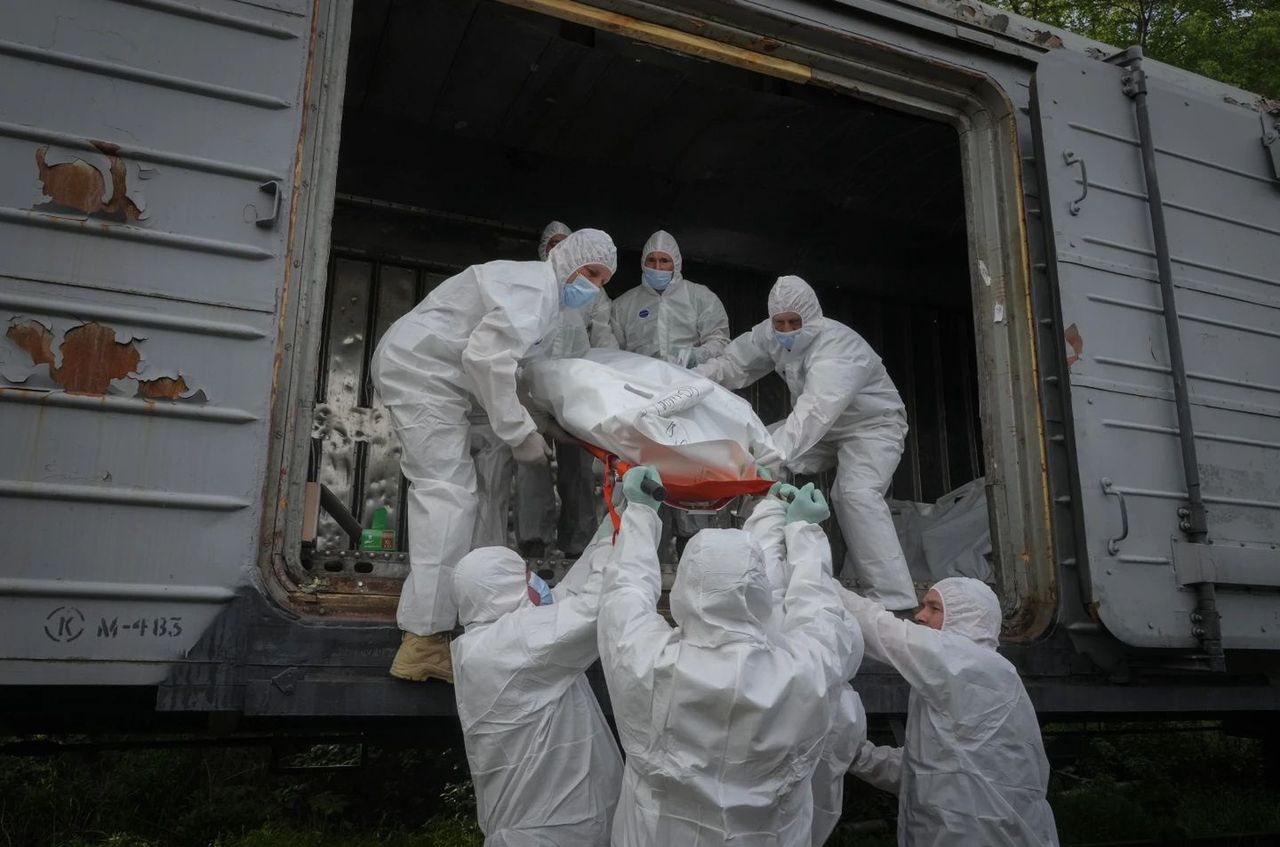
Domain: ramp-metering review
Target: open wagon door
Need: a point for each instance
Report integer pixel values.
(1155, 568)
(148, 154)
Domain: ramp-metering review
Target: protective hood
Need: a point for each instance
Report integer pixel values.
(664, 242)
(488, 583)
(584, 247)
(721, 593)
(549, 232)
(971, 609)
(793, 294)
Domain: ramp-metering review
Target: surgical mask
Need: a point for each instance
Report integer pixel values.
(787, 339)
(578, 293)
(539, 592)
(658, 280)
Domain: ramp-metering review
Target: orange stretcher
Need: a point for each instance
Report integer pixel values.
(708, 495)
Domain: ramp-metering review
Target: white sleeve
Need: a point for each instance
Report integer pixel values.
(743, 362)
(829, 386)
(713, 328)
(600, 323)
(766, 525)
(519, 316)
(814, 619)
(879, 766)
(632, 635)
(563, 635)
(918, 653)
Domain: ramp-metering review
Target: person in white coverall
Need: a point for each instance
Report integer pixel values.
(674, 319)
(458, 352)
(537, 525)
(543, 760)
(845, 412)
(723, 718)
(848, 728)
(972, 769)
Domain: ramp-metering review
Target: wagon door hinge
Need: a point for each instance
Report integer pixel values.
(1271, 140)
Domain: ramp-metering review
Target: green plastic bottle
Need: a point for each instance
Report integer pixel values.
(377, 538)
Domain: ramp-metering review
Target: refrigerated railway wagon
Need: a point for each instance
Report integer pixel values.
(210, 209)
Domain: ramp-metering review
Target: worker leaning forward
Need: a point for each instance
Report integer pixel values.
(457, 353)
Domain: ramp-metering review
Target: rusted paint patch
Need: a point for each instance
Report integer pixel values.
(90, 358)
(1076, 342)
(163, 388)
(81, 187)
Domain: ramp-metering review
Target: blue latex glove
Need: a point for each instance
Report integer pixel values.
(632, 481)
(809, 506)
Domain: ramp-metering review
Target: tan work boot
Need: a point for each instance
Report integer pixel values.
(423, 657)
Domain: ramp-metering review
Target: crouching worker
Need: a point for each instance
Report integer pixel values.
(722, 718)
(972, 769)
(543, 760)
(456, 354)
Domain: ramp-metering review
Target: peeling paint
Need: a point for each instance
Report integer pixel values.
(94, 359)
(73, 183)
(1076, 342)
(1046, 38)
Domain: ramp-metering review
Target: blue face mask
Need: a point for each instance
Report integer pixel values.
(786, 339)
(658, 280)
(578, 293)
(539, 592)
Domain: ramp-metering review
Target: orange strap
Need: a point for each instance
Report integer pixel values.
(717, 493)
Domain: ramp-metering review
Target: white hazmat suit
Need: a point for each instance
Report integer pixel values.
(543, 760)
(685, 323)
(723, 718)
(848, 728)
(536, 517)
(845, 412)
(454, 355)
(972, 769)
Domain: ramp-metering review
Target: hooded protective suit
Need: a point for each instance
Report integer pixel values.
(723, 718)
(536, 515)
(685, 323)
(848, 722)
(455, 355)
(543, 760)
(972, 769)
(845, 412)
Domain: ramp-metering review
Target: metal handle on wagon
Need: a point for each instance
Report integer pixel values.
(1071, 158)
(1113, 544)
(275, 188)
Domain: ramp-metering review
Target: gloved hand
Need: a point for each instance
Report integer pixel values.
(809, 505)
(681, 357)
(784, 492)
(533, 450)
(764, 473)
(633, 481)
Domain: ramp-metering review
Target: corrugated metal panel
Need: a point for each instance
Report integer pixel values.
(1223, 214)
(141, 268)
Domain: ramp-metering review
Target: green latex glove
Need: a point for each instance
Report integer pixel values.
(784, 491)
(809, 506)
(634, 479)
(763, 473)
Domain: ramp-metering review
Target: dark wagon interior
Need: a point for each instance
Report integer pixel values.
(469, 125)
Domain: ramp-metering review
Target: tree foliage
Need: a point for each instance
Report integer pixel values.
(1236, 41)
